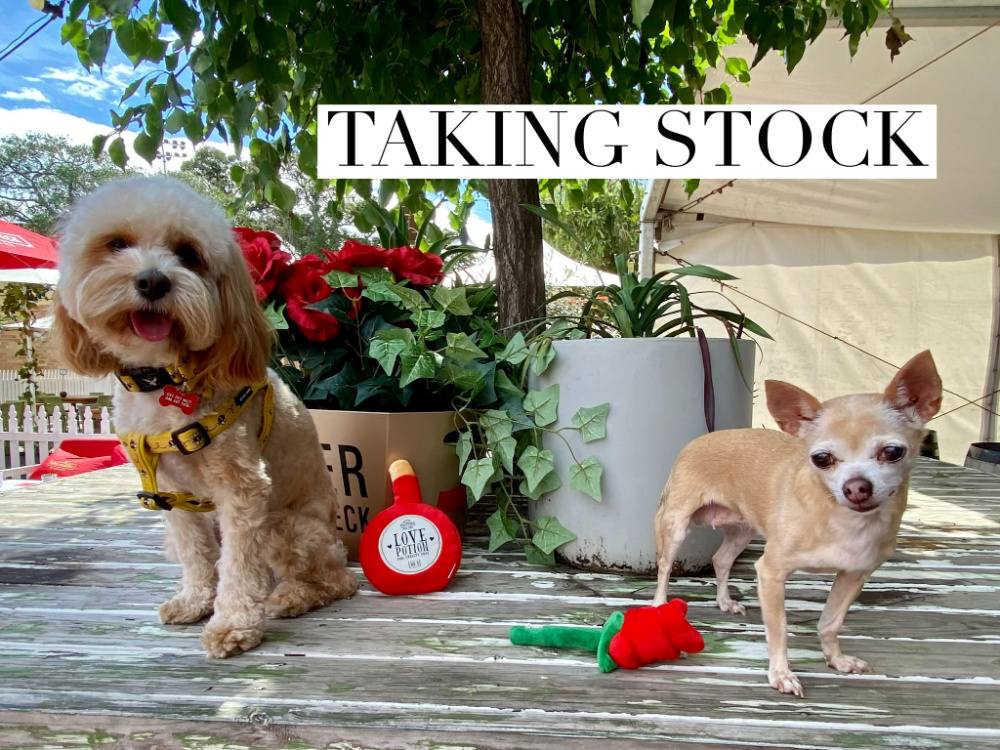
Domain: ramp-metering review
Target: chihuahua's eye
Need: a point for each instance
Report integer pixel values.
(892, 453)
(822, 460)
(117, 243)
(187, 255)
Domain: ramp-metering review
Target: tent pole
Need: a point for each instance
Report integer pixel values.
(988, 428)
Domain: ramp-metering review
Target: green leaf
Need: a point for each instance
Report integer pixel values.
(515, 352)
(98, 144)
(536, 557)
(461, 377)
(341, 279)
(535, 464)
(502, 528)
(428, 319)
(543, 404)
(453, 300)
(133, 38)
(280, 195)
(97, 45)
(182, 17)
(592, 421)
(385, 351)
(145, 147)
(505, 385)
(463, 448)
(415, 365)
(496, 425)
(542, 357)
(504, 449)
(375, 275)
(413, 300)
(176, 121)
(131, 89)
(380, 292)
(549, 483)
(276, 316)
(586, 477)
(117, 153)
(477, 475)
(551, 534)
(462, 349)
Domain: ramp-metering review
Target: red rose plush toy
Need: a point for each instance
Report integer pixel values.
(410, 548)
(630, 640)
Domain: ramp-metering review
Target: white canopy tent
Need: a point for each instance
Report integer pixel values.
(852, 277)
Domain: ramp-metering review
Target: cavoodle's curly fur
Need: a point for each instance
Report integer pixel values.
(276, 507)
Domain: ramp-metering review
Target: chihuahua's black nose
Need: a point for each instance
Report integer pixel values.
(152, 284)
(858, 490)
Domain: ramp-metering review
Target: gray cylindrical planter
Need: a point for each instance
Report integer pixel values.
(656, 391)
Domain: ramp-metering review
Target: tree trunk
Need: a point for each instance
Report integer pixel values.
(517, 233)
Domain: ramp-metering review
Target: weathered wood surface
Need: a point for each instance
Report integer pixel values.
(84, 661)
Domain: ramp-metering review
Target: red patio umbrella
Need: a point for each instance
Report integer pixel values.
(20, 248)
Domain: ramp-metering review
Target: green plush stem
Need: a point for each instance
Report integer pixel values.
(557, 636)
(611, 627)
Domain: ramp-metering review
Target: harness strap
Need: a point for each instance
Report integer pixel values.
(145, 450)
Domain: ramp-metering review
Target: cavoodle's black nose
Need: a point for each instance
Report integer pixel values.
(152, 284)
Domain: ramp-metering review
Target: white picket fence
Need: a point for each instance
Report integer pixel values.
(55, 381)
(29, 437)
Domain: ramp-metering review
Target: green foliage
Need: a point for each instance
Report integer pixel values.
(603, 214)
(253, 72)
(17, 305)
(41, 175)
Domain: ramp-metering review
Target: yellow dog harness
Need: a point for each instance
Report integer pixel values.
(145, 450)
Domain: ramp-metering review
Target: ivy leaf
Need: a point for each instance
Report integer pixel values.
(477, 474)
(551, 534)
(453, 300)
(640, 9)
(413, 300)
(592, 421)
(463, 448)
(536, 557)
(542, 357)
(586, 477)
(496, 424)
(429, 319)
(385, 351)
(460, 377)
(536, 465)
(380, 292)
(505, 385)
(461, 348)
(276, 316)
(543, 404)
(374, 274)
(502, 528)
(415, 365)
(550, 483)
(516, 350)
(341, 279)
(504, 450)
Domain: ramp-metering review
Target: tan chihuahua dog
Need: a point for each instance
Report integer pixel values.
(828, 497)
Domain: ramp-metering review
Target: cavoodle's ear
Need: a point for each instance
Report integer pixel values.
(75, 346)
(241, 355)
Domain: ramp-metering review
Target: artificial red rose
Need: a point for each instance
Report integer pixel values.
(422, 269)
(356, 254)
(264, 256)
(302, 285)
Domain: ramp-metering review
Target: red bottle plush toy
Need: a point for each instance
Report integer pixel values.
(410, 548)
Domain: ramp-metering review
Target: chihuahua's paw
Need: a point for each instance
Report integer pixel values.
(730, 606)
(850, 664)
(182, 609)
(221, 639)
(785, 682)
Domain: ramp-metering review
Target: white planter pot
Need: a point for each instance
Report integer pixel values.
(656, 391)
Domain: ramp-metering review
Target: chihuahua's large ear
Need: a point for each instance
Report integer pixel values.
(77, 350)
(790, 405)
(916, 389)
(241, 354)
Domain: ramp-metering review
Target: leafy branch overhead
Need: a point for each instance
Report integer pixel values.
(253, 72)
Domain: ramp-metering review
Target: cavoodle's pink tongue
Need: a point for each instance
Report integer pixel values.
(151, 326)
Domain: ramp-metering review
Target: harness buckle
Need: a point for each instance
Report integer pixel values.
(200, 438)
(153, 501)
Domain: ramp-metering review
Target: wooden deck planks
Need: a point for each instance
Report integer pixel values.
(83, 660)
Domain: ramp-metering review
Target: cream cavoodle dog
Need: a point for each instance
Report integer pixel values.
(151, 277)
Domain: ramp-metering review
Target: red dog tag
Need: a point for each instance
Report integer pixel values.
(186, 402)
